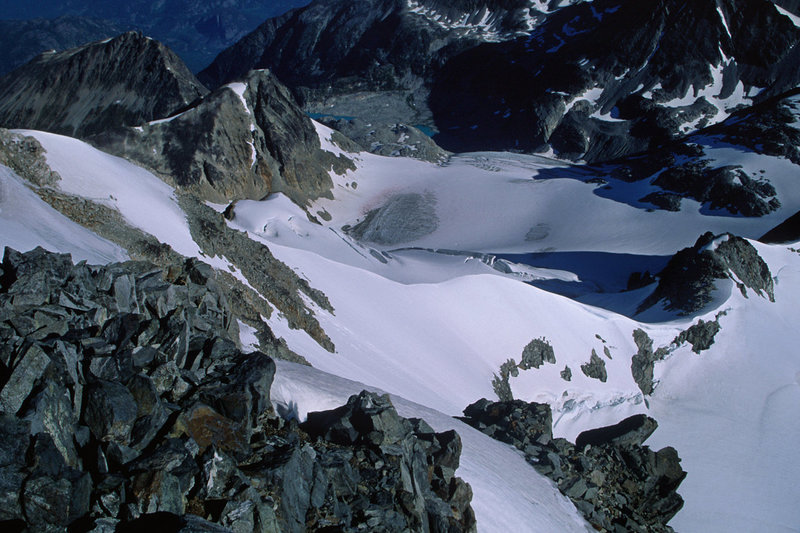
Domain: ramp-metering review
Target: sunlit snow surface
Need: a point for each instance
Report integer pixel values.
(26, 222)
(436, 327)
(433, 318)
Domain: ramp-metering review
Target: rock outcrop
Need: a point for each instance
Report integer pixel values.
(244, 140)
(123, 81)
(125, 404)
(614, 480)
(686, 284)
(262, 282)
(395, 140)
(785, 232)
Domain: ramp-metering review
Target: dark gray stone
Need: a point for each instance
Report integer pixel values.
(686, 284)
(609, 474)
(700, 336)
(632, 431)
(110, 411)
(50, 413)
(14, 440)
(26, 372)
(595, 368)
(643, 361)
(536, 353)
(158, 491)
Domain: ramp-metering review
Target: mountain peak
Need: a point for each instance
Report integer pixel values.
(245, 139)
(122, 81)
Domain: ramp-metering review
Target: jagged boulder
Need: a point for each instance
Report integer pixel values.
(123, 81)
(632, 431)
(536, 353)
(595, 368)
(428, 460)
(533, 422)
(614, 480)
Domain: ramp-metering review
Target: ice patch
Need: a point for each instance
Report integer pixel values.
(794, 18)
(239, 88)
(247, 337)
(403, 218)
(724, 22)
(713, 245)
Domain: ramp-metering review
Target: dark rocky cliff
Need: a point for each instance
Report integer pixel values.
(615, 481)
(124, 81)
(592, 80)
(380, 49)
(603, 79)
(244, 140)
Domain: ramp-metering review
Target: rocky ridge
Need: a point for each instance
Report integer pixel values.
(684, 169)
(382, 51)
(126, 405)
(617, 482)
(195, 30)
(269, 281)
(244, 140)
(97, 86)
(599, 80)
(394, 140)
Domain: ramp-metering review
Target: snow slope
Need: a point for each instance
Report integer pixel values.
(26, 222)
(440, 335)
(732, 413)
(433, 318)
(144, 201)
